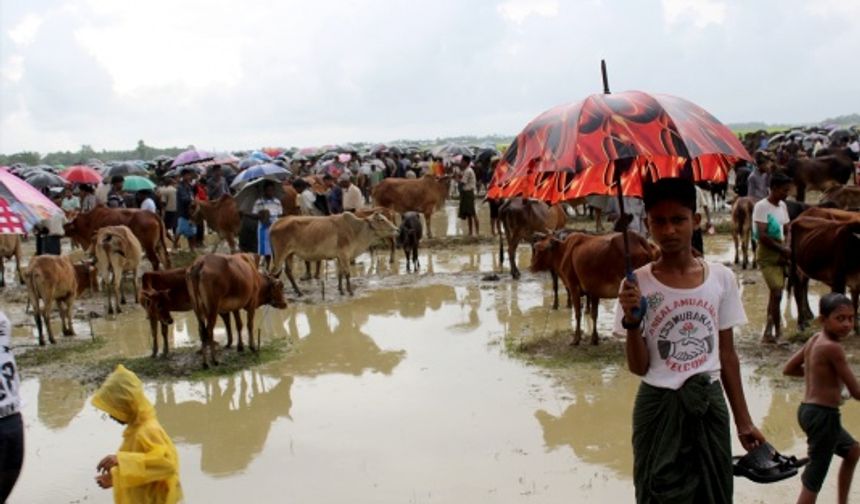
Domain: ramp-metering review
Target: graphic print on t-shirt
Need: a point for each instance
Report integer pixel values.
(684, 331)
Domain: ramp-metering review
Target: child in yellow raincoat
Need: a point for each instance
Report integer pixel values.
(146, 467)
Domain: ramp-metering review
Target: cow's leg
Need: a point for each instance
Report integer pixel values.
(37, 315)
(152, 256)
(598, 224)
(307, 275)
(513, 242)
(18, 266)
(153, 332)
(406, 252)
(209, 346)
(577, 313)
(2, 273)
(735, 239)
(249, 312)
(166, 349)
(117, 289)
(64, 306)
(754, 247)
(392, 247)
(594, 303)
(237, 318)
(554, 276)
(415, 256)
(427, 215)
(46, 314)
(121, 289)
(225, 317)
(288, 269)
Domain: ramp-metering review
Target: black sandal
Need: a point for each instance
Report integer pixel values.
(763, 464)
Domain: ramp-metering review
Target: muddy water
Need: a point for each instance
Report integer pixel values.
(401, 394)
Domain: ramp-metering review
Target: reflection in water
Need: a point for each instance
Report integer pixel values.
(597, 424)
(60, 400)
(230, 422)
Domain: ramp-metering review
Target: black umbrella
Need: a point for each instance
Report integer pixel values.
(124, 169)
(42, 179)
(252, 191)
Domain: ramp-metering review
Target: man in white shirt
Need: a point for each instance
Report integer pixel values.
(770, 231)
(352, 197)
(468, 184)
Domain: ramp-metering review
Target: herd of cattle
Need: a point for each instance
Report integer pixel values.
(825, 247)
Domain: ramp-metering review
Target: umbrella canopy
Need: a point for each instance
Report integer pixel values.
(10, 221)
(134, 183)
(571, 150)
(26, 201)
(81, 174)
(253, 191)
(191, 156)
(451, 150)
(262, 156)
(41, 180)
(272, 152)
(125, 169)
(269, 170)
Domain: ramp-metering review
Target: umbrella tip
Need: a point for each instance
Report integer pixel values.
(605, 76)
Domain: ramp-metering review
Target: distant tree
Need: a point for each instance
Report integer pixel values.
(26, 157)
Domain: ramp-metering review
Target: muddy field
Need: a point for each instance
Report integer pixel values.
(442, 386)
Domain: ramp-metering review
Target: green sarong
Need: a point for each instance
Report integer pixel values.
(681, 444)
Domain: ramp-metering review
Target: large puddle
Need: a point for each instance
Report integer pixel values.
(401, 394)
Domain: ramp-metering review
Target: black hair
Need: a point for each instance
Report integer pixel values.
(117, 179)
(328, 177)
(300, 185)
(86, 188)
(830, 302)
(779, 179)
(679, 190)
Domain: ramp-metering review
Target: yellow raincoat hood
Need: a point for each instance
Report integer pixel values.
(121, 396)
(147, 470)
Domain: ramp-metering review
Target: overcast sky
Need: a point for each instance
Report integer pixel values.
(239, 74)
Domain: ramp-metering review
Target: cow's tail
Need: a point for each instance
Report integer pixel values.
(501, 246)
(196, 302)
(162, 245)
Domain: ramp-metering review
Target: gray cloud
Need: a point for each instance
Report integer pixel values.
(234, 75)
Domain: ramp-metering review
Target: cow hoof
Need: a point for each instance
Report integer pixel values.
(41, 342)
(574, 341)
(240, 349)
(154, 355)
(595, 341)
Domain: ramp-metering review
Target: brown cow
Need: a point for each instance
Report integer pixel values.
(146, 226)
(166, 291)
(844, 197)
(10, 246)
(742, 210)
(521, 219)
(825, 246)
(547, 258)
(117, 252)
(290, 201)
(819, 173)
(52, 278)
(219, 283)
(340, 237)
(221, 216)
(594, 265)
(423, 195)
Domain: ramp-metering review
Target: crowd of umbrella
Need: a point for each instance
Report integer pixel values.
(27, 190)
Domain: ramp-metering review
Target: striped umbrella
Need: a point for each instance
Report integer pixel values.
(10, 221)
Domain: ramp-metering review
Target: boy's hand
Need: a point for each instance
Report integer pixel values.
(629, 297)
(104, 480)
(107, 463)
(750, 437)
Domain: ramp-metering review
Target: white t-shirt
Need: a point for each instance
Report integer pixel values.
(10, 384)
(774, 216)
(148, 205)
(681, 326)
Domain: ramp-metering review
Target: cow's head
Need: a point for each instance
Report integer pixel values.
(381, 227)
(545, 246)
(86, 277)
(274, 292)
(156, 303)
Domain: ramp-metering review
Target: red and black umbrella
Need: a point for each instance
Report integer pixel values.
(615, 143)
(578, 149)
(10, 221)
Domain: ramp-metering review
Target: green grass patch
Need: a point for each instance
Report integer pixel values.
(65, 351)
(187, 363)
(553, 349)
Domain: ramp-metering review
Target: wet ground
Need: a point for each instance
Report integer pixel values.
(408, 392)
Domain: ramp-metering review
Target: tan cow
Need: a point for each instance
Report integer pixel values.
(341, 237)
(389, 214)
(423, 195)
(10, 246)
(53, 278)
(220, 284)
(221, 216)
(117, 251)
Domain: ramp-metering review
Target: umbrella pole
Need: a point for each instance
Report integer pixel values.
(605, 76)
(628, 265)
